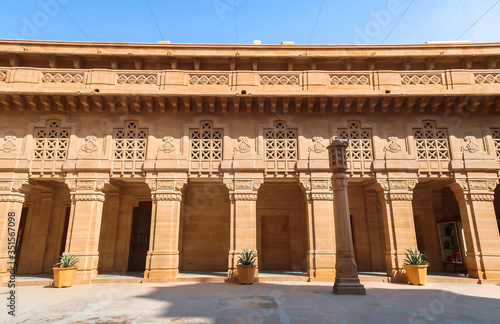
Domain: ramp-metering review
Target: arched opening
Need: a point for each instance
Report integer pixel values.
(43, 227)
(205, 231)
(281, 227)
(438, 227)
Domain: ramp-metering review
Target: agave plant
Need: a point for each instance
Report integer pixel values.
(67, 261)
(247, 257)
(415, 258)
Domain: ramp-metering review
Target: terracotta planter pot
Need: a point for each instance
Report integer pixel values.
(246, 274)
(64, 277)
(417, 274)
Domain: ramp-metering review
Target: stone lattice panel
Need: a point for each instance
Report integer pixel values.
(359, 150)
(349, 80)
(432, 146)
(421, 79)
(496, 141)
(486, 78)
(206, 79)
(136, 79)
(51, 142)
(279, 80)
(62, 78)
(280, 147)
(205, 147)
(130, 143)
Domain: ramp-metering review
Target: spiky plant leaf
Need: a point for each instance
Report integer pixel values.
(415, 258)
(67, 261)
(247, 257)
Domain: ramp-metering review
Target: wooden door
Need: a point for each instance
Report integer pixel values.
(276, 250)
(139, 238)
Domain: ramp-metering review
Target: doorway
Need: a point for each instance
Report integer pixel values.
(139, 238)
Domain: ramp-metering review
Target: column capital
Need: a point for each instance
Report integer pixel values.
(237, 184)
(14, 185)
(87, 185)
(252, 196)
(167, 184)
(316, 183)
(475, 189)
(172, 196)
(319, 196)
(96, 196)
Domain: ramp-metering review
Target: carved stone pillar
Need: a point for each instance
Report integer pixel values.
(243, 219)
(399, 223)
(320, 229)
(162, 261)
(87, 200)
(11, 204)
(475, 198)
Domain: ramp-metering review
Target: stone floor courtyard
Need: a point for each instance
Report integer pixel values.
(270, 302)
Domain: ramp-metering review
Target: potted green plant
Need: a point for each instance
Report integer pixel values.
(246, 266)
(415, 265)
(65, 271)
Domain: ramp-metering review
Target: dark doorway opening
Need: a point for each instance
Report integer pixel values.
(139, 238)
(20, 235)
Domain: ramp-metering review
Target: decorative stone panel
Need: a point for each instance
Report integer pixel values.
(62, 77)
(280, 147)
(208, 79)
(51, 142)
(421, 79)
(359, 149)
(486, 78)
(3, 76)
(496, 141)
(279, 79)
(129, 148)
(349, 80)
(136, 79)
(432, 147)
(205, 148)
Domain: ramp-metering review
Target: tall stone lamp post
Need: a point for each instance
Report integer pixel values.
(346, 278)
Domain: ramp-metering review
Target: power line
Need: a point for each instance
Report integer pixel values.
(154, 18)
(478, 20)
(78, 26)
(397, 22)
(317, 18)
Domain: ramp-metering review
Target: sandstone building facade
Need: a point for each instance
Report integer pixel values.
(166, 158)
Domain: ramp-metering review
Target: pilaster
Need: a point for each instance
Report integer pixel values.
(475, 197)
(243, 218)
(12, 197)
(399, 223)
(320, 228)
(87, 200)
(162, 261)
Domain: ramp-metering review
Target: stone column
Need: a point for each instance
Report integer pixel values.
(399, 224)
(87, 200)
(475, 198)
(243, 222)
(346, 275)
(320, 229)
(11, 205)
(162, 261)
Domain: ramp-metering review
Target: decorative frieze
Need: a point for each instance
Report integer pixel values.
(399, 184)
(12, 185)
(17, 198)
(421, 79)
(90, 145)
(398, 196)
(85, 184)
(486, 78)
(496, 141)
(482, 197)
(392, 146)
(278, 80)
(316, 184)
(167, 197)
(136, 79)
(470, 146)
(87, 197)
(350, 80)
(161, 184)
(62, 78)
(243, 196)
(208, 79)
(9, 144)
(168, 145)
(320, 196)
(235, 184)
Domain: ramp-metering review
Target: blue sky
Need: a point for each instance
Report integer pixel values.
(272, 21)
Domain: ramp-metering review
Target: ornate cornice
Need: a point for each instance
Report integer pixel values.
(87, 197)
(166, 184)
(398, 196)
(243, 196)
(397, 184)
(167, 197)
(310, 184)
(86, 184)
(320, 196)
(243, 184)
(482, 197)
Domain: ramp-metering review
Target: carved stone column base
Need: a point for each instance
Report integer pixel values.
(348, 286)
